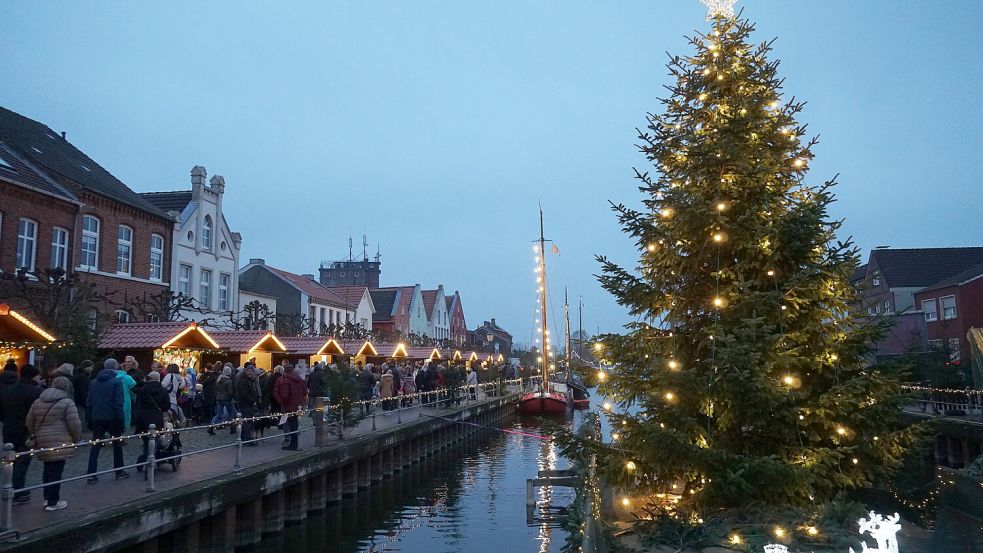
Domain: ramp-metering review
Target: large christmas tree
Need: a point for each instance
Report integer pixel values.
(747, 378)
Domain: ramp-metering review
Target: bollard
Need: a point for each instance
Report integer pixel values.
(7, 492)
(238, 464)
(399, 411)
(151, 459)
(321, 405)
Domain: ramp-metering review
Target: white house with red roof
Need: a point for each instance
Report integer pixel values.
(435, 304)
(301, 297)
(357, 297)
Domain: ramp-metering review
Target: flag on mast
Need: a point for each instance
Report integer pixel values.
(556, 251)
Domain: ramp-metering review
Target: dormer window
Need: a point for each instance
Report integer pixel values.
(875, 279)
(206, 233)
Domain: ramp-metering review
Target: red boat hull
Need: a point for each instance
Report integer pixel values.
(538, 403)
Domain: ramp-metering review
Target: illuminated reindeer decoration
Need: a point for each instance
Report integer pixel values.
(884, 530)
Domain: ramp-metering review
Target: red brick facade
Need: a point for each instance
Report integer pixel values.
(969, 314)
(45, 210)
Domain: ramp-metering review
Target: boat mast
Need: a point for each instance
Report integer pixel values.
(566, 329)
(542, 304)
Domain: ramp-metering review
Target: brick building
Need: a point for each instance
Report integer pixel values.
(115, 238)
(458, 325)
(950, 308)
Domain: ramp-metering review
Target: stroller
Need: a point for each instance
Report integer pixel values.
(168, 446)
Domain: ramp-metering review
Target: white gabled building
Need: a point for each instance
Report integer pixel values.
(204, 250)
(438, 322)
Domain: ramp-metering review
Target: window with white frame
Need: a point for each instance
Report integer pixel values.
(931, 310)
(948, 307)
(223, 291)
(122, 317)
(875, 279)
(124, 250)
(872, 310)
(205, 289)
(887, 306)
(59, 248)
(156, 257)
(206, 233)
(27, 244)
(184, 280)
(90, 243)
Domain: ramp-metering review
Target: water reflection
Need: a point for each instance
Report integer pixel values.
(468, 499)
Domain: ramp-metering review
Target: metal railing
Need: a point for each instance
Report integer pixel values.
(946, 402)
(329, 420)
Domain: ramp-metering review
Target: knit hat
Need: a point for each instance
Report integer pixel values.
(110, 364)
(62, 383)
(87, 364)
(288, 369)
(227, 370)
(28, 372)
(154, 376)
(65, 369)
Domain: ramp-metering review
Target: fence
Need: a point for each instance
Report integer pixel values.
(947, 402)
(330, 421)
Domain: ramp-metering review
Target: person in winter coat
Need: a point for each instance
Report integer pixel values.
(173, 382)
(366, 383)
(68, 371)
(80, 385)
(387, 389)
(291, 393)
(152, 401)
(409, 388)
(127, 383)
(472, 383)
(248, 400)
(268, 399)
(106, 418)
(224, 399)
(315, 385)
(208, 380)
(54, 420)
(16, 398)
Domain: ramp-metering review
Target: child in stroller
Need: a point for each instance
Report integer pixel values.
(168, 446)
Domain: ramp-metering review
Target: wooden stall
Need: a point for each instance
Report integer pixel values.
(425, 353)
(258, 346)
(20, 337)
(309, 350)
(181, 343)
(360, 351)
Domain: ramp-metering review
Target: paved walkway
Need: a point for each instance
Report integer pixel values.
(84, 498)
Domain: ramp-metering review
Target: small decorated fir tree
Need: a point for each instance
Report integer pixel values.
(746, 381)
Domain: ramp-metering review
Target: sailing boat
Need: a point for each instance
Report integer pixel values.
(545, 400)
(581, 397)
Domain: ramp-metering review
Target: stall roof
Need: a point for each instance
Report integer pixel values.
(359, 348)
(424, 353)
(470, 356)
(16, 328)
(399, 351)
(156, 336)
(313, 345)
(246, 341)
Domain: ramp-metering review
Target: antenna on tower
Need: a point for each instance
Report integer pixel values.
(349, 247)
(377, 252)
(365, 248)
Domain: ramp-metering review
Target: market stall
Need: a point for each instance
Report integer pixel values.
(181, 343)
(20, 337)
(363, 352)
(257, 346)
(424, 353)
(308, 350)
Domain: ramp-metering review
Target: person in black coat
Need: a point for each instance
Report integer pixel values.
(15, 401)
(151, 402)
(248, 400)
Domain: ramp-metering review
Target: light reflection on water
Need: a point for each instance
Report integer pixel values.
(471, 498)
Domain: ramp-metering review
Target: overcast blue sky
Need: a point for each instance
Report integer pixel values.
(437, 127)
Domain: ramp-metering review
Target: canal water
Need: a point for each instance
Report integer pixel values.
(471, 499)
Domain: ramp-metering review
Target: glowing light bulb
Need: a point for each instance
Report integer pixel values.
(833, 357)
(771, 273)
(625, 501)
(651, 247)
(798, 163)
(607, 406)
(812, 531)
(670, 396)
(718, 302)
(615, 436)
(721, 206)
(735, 539)
(630, 466)
(779, 532)
(673, 364)
(718, 237)
(841, 431)
(788, 380)
(703, 97)
(855, 460)
(666, 212)
(601, 375)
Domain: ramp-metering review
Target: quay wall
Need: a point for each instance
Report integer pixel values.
(236, 510)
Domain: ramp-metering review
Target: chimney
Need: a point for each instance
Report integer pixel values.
(217, 183)
(308, 276)
(64, 135)
(257, 261)
(493, 322)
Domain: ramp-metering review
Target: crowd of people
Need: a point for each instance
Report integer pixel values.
(111, 399)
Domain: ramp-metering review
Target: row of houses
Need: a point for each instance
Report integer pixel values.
(934, 295)
(172, 254)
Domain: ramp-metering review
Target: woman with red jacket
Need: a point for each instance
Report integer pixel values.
(290, 392)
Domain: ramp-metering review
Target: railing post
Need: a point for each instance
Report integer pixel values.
(399, 412)
(373, 420)
(238, 464)
(7, 492)
(341, 427)
(151, 469)
(321, 406)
